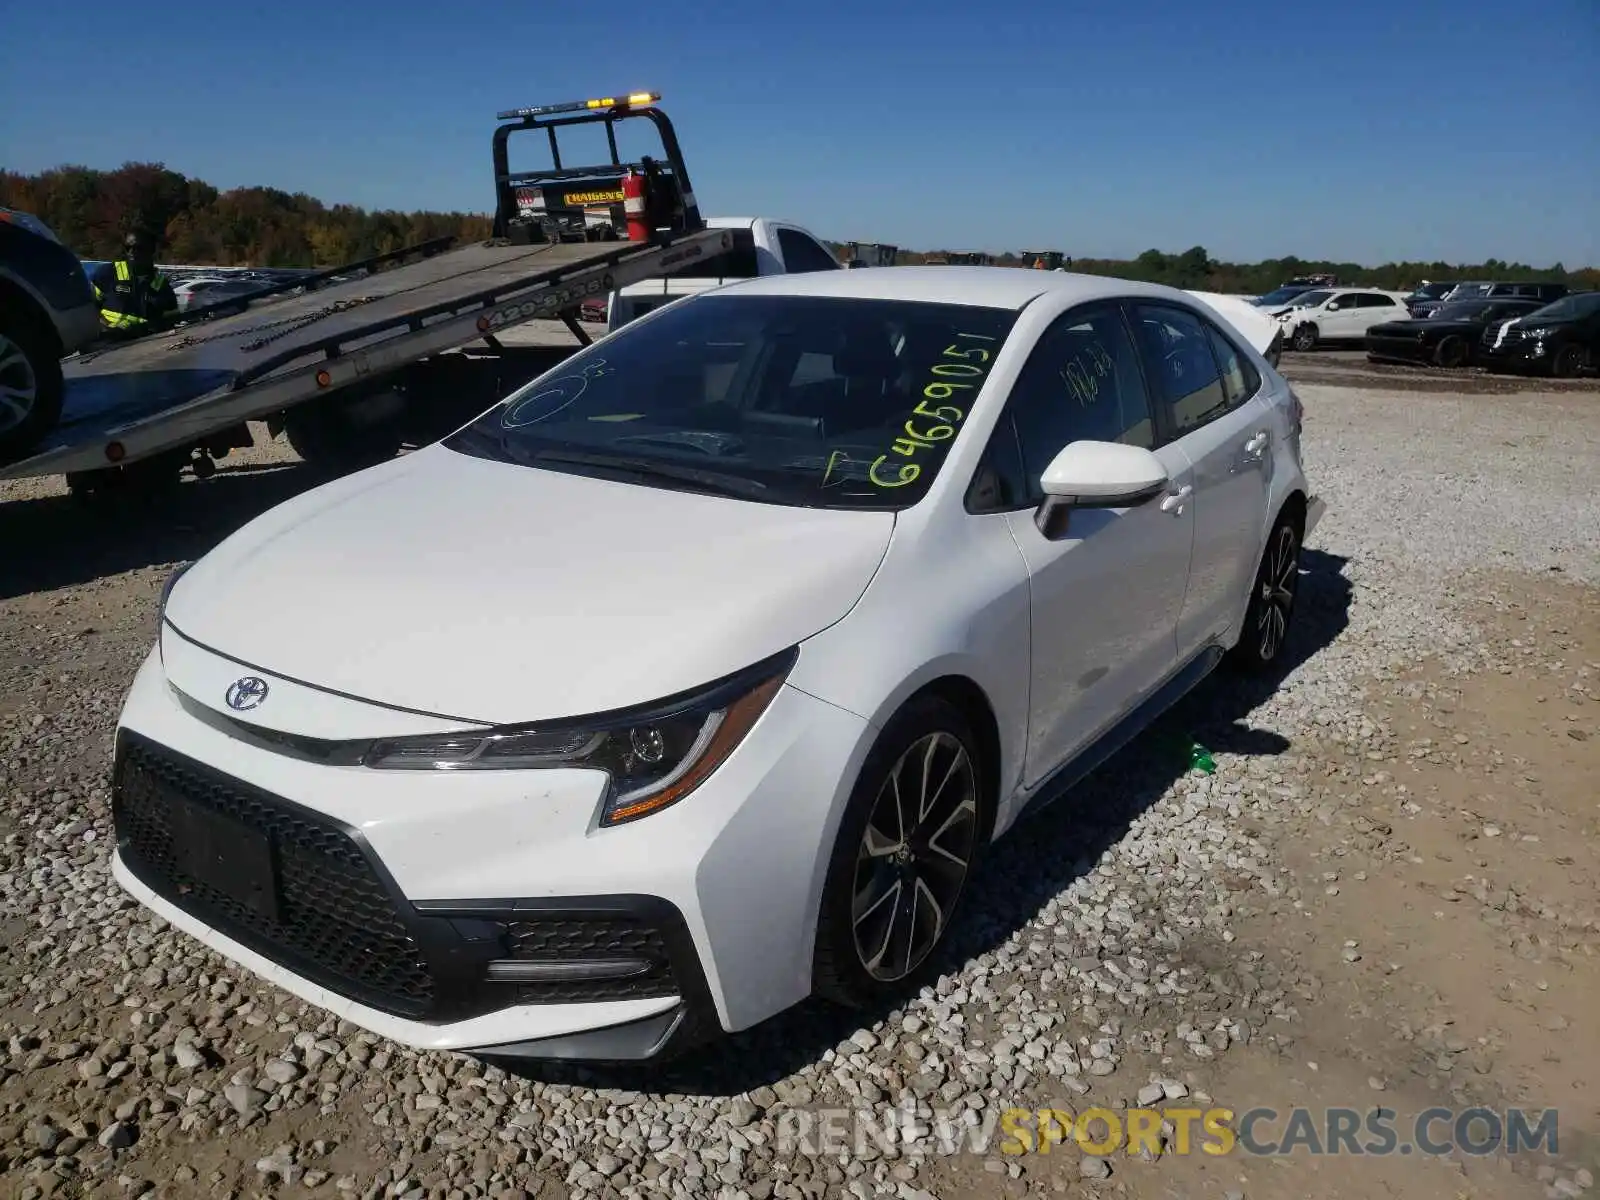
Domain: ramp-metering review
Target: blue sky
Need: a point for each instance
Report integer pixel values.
(1363, 130)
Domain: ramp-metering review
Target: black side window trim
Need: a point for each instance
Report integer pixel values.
(1160, 433)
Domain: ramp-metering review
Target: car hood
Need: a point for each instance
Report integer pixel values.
(491, 592)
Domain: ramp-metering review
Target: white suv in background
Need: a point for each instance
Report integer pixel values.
(1338, 314)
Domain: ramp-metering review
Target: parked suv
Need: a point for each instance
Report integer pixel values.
(47, 310)
(1338, 314)
(1544, 293)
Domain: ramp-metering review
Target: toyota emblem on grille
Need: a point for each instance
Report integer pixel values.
(247, 693)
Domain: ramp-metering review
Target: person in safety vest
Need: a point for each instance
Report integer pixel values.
(134, 297)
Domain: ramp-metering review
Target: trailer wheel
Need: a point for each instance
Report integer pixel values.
(30, 382)
(334, 438)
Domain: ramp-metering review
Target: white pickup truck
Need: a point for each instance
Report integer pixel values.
(766, 247)
(760, 247)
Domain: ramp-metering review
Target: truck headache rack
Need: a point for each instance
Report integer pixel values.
(585, 203)
(352, 332)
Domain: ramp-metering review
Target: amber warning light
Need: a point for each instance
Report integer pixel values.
(626, 100)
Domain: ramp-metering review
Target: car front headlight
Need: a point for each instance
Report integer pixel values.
(653, 756)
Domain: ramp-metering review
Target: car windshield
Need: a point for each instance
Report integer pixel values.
(1430, 291)
(815, 401)
(1280, 296)
(1467, 291)
(1310, 299)
(1569, 308)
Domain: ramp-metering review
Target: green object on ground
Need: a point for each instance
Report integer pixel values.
(1200, 759)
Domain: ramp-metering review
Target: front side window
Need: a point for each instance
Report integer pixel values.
(816, 401)
(1180, 365)
(1081, 383)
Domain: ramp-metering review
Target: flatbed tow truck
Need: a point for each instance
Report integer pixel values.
(353, 369)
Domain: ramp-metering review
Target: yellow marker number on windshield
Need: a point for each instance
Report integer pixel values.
(959, 369)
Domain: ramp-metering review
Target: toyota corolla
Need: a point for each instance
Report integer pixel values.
(698, 675)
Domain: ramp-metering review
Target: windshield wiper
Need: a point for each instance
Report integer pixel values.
(716, 482)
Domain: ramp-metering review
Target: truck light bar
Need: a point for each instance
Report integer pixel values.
(630, 100)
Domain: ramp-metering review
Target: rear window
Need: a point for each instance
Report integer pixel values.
(802, 400)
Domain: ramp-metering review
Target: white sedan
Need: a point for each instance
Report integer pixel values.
(696, 676)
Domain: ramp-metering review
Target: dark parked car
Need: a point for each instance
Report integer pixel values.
(1559, 339)
(47, 311)
(1544, 293)
(1449, 338)
(1431, 294)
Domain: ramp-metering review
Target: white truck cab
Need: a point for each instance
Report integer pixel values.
(762, 247)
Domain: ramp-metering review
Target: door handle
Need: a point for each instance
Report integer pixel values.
(1173, 502)
(1256, 445)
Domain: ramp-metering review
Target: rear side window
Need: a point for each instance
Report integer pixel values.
(1182, 369)
(1239, 379)
(738, 263)
(801, 254)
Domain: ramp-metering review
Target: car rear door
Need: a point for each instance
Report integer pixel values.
(1376, 308)
(1211, 403)
(1106, 590)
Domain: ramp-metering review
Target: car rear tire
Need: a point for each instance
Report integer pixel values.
(31, 386)
(1305, 337)
(910, 836)
(1567, 361)
(1270, 612)
(1452, 352)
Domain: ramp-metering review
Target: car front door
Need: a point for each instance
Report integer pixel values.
(1338, 317)
(1211, 402)
(1106, 589)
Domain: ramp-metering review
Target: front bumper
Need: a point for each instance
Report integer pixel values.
(384, 896)
(1514, 353)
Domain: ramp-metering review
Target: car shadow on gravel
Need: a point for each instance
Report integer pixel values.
(57, 541)
(1041, 857)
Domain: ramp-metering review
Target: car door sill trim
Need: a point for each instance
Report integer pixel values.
(1072, 772)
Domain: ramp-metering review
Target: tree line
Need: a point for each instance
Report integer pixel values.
(92, 211)
(1195, 268)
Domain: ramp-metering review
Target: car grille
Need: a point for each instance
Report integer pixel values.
(335, 922)
(592, 938)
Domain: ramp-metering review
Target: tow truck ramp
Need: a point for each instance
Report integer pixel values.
(177, 389)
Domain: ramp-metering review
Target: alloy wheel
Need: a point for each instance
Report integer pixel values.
(19, 385)
(914, 857)
(1280, 574)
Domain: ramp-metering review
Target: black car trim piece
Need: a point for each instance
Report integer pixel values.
(1059, 782)
(455, 938)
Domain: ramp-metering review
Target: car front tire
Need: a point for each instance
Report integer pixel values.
(1305, 338)
(910, 836)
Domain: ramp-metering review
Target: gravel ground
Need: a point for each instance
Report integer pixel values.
(1102, 961)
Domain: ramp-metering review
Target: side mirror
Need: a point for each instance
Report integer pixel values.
(1334, 307)
(1096, 475)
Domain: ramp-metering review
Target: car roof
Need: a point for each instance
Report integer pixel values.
(985, 287)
